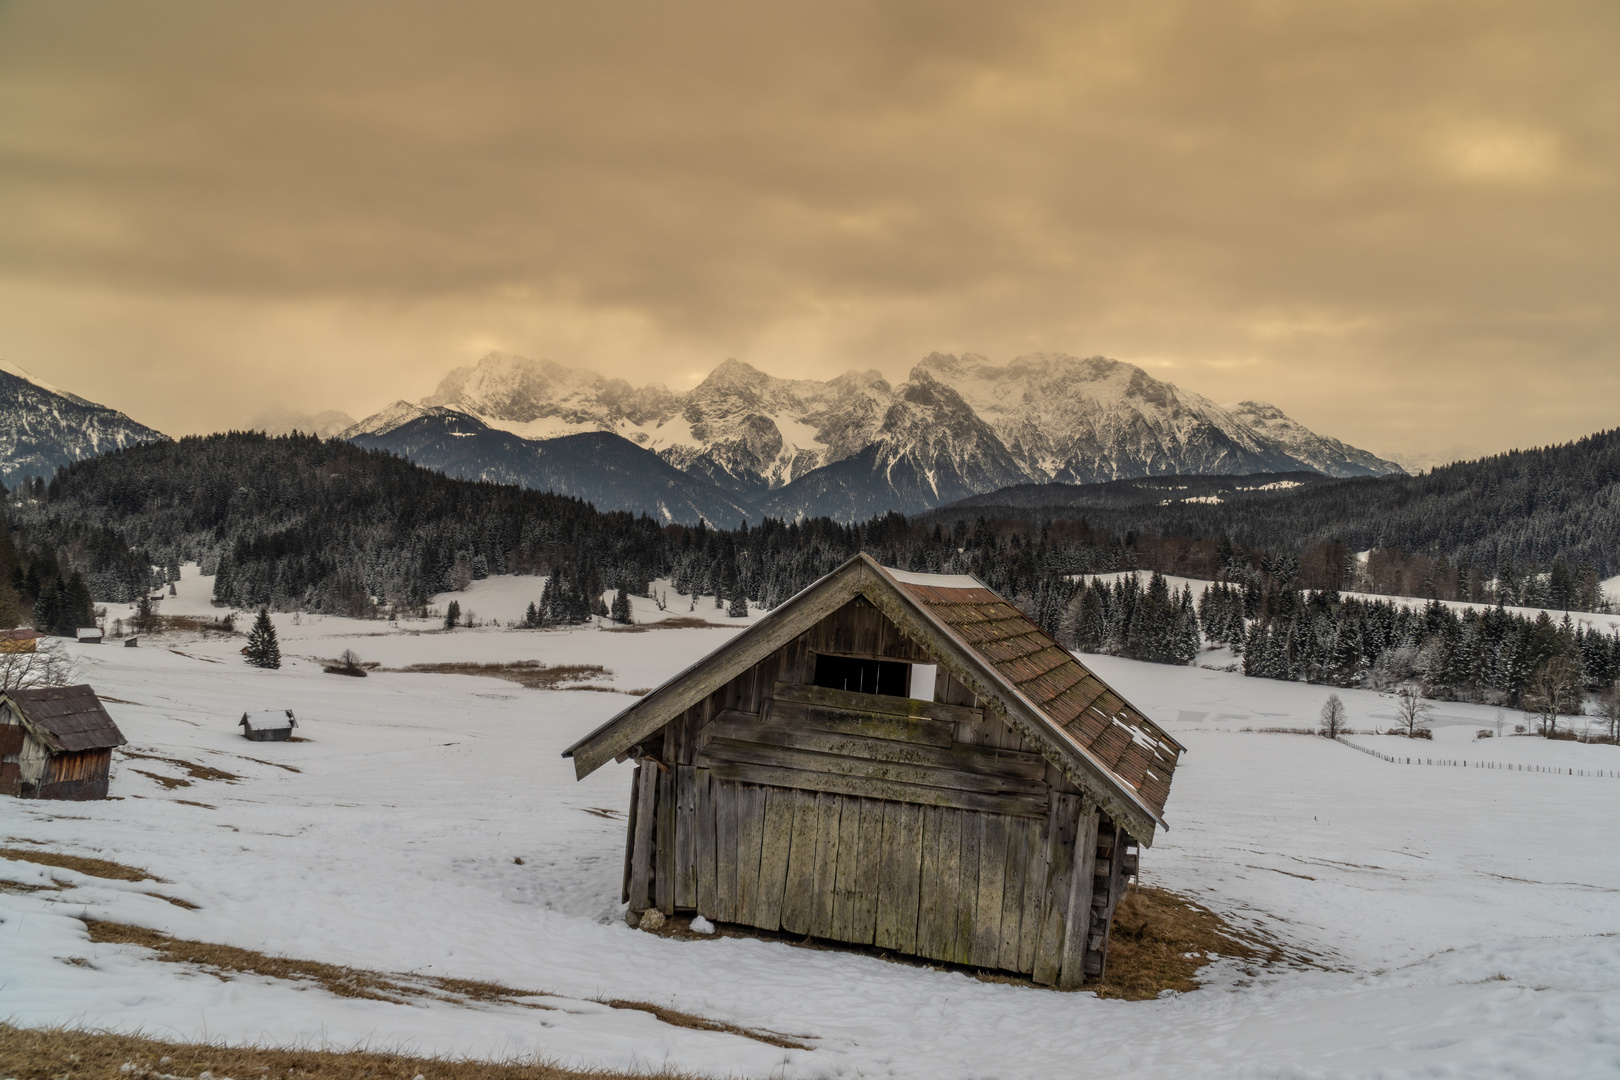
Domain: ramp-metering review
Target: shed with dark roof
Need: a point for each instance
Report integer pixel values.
(898, 760)
(56, 742)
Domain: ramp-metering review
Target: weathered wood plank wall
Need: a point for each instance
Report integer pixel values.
(925, 828)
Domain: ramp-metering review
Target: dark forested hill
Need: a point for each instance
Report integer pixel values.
(610, 471)
(1558, 503)
(294, 521)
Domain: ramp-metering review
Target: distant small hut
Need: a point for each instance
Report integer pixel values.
(271, 725)
(19, 640)
(90, 635)
(895, 760)
(55, 743)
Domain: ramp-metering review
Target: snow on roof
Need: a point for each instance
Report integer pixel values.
(268, 720)
(86, 633)
(938, 581)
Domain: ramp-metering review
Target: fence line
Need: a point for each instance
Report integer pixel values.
(1498, 766)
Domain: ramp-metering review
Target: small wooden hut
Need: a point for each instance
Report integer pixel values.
(20, 640)
(270, 725)
(895, 760)
(90, 635)
(55, 743)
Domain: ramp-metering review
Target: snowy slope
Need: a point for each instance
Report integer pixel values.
(1328, 456)
(1459, 935)
(856, 445)
(43, 428)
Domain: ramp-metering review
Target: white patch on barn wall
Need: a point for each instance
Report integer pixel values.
(922, 681)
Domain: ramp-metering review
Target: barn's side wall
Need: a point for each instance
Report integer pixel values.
(77, 776)
(923, 828)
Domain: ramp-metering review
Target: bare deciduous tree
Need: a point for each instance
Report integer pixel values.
(48, 665)
(1554, 690)
(1333, 717)
(1609, 710)
(1411, 710)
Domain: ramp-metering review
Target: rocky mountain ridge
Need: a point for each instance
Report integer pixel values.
(43, 427)
(857, 445)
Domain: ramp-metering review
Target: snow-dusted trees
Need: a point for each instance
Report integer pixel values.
(262, 648)
(621, 606)
(452, 615)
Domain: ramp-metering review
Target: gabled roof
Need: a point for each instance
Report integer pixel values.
(1104, 745)
(268, 720)
(67, 719)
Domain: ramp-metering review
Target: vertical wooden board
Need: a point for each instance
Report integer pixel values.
(847, 873)
(1012, 893)
(887, 909)
(1078, 921)
(776, 842)
(641, 861)
(726, 796)
(1055, 902)
(704, 825)
(750, 840)
(630, 835)
(946, 888)
(930, 918)
(967, 902)
(799, 896)
(685, 837)
(824, 879)
(868, 872)
(1029, 930)
(664, 844)
(992, 881)
(897, 889)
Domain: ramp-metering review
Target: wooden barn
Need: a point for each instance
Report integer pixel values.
(896, 760)
(270, 725)
(55, 743)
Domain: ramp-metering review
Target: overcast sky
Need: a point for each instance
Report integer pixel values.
(1398, 221)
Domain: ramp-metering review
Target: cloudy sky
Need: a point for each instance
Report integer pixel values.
(1396, 220)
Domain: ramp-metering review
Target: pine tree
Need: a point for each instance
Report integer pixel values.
(452, 615)
(621, 606)
(739, 601)
(262, 648)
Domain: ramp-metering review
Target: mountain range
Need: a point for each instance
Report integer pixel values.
(752, 444)
(42, 427)
(743, 445)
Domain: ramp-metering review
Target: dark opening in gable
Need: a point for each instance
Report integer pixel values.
(890, 677)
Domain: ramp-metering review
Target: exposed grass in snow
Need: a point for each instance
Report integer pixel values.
(226, 961)
(193, 770)
(1160, 941)
(674, 622)
(38, 1054)
(530, 673)
(101, 868)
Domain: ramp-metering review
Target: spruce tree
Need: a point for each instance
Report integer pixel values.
(262, 647)
(452, 615)
(621, 606)
(739, 601)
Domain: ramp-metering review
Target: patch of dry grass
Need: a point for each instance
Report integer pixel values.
(1160, 941)
(58, 1053)
(101, 868)
(193, 770)
(224, 960)
(679, 622)
(530, 673)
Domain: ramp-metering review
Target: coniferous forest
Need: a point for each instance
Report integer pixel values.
(295, 522)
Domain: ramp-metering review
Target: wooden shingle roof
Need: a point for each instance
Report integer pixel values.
(67, 719)
(1090, 715)
(1100, 742)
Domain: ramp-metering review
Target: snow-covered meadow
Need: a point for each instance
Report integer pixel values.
(1465, 920)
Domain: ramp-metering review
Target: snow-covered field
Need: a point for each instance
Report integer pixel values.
(1466, 919)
